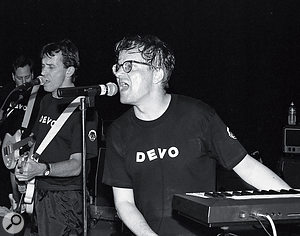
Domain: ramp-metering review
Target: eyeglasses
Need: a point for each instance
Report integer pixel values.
(127, 65)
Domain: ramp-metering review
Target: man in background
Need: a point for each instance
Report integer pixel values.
(14, 103)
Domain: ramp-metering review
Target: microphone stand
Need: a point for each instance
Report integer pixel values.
(90, 102)
(3, 118)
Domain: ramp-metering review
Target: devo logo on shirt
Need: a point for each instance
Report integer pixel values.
(17, 107)
(231, 135)
(92, 135)
(47, 120)
(153, 154)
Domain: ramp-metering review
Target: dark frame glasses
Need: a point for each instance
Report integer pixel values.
(127, 65)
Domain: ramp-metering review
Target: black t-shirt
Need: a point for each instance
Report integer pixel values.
(14, 105)
(14, 109)
(175, 153)
(67, 141)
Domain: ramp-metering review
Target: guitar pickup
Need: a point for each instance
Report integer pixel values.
(7, 150)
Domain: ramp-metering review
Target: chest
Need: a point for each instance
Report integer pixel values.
(173, 146)
(47, 120)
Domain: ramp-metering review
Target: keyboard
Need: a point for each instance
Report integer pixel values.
(238, 207)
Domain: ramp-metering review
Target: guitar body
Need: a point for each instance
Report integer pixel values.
(28, 199)
(11, 147)
(30, 187)
(9, 155)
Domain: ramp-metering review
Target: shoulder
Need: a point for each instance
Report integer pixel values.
(46, 97)
(122, 120)
(191, 106)
(6, 90)
(123, 125)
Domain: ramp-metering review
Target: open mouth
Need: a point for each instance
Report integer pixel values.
(123, 86)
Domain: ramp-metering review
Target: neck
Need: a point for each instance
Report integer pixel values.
(154, 108)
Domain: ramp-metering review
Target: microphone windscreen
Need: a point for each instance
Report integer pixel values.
(112, 89)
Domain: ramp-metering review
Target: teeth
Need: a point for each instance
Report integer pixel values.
(123, 84)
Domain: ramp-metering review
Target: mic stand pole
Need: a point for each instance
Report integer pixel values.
(83, 115)
(90, 101)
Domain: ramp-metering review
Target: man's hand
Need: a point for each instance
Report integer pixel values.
(29, 170)
(21, 187)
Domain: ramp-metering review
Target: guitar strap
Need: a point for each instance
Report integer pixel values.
(58, 124)
(28, 198)
(30, 105)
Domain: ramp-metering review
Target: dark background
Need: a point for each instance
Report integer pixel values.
(241, 57)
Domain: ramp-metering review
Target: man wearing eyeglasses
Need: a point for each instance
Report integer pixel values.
(166, 144)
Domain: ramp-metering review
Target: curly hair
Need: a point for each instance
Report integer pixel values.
(153, 50)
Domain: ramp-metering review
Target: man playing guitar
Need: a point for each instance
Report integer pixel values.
(13, 124)
(58, 206)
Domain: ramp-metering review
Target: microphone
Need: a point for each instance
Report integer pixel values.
(30, 84)
(109, 89)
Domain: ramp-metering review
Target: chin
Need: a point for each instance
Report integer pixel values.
(124, 100)
(47, 89)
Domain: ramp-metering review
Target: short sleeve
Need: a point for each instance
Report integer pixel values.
(115, 173)
(223, 144)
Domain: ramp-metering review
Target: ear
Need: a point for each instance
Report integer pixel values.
(13, 77)
(70, 71)
(158, 75)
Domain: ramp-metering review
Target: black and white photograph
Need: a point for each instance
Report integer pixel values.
(149, 118)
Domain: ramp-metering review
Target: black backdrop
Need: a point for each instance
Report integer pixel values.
(241, 57)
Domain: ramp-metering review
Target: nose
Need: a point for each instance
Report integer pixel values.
(119, 72)
(114, 68)
(43, 72)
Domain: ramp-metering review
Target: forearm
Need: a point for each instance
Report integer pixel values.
(133, 219)
(31, 169)
(67, 168)
(258, 175)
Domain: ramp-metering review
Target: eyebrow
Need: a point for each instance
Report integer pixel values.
(48, 64)
(21, 76)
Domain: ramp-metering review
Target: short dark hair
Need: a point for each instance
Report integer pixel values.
(22, 61)
(70, 53)
(153, 50)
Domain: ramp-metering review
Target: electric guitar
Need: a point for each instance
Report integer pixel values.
(11, 157)
(30, 187)
(11, 147)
